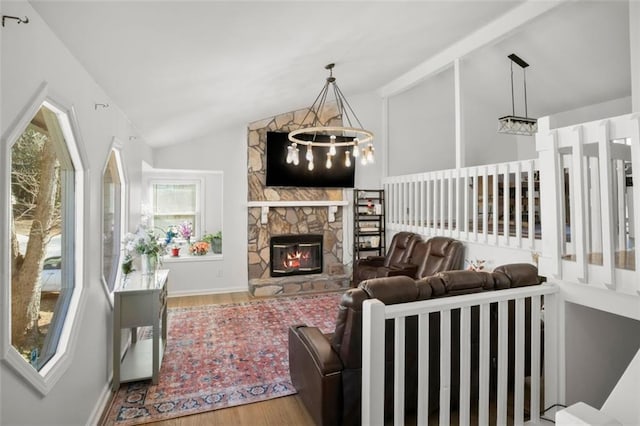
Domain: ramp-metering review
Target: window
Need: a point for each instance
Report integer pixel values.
(46, 191)
(112, 218)
(176, 196)
(175, 203)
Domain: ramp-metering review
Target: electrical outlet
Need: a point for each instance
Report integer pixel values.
(219, 273)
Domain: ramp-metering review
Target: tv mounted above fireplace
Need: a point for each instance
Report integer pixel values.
(279, 173)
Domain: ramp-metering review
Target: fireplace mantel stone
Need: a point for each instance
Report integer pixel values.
(265, 205)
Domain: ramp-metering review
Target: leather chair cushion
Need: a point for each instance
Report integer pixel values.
(466, 282)
(519, 274)
(391, 290)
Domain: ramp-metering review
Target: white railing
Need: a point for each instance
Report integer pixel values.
(497, 204)
(592, 208)
(375, 313)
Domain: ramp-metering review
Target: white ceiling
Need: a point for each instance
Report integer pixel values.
(183, 70)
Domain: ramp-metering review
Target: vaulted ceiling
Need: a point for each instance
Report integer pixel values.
(181, 70)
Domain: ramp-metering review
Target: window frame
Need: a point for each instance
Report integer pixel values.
(45, 379)
(199, 183)
(120, 224)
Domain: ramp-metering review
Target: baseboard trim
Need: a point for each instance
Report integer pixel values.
(205, 292)
(96, 417)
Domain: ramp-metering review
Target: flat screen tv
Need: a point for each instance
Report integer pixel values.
(279, 173)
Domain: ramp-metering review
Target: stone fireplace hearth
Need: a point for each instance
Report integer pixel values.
(290, 210)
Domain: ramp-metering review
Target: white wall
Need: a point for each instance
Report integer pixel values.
(612, 108)
(225, 152)
(31, 55)
(599, 347)
(368, 106)
(422, 127)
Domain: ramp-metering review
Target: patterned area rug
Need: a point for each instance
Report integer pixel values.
(221, 356)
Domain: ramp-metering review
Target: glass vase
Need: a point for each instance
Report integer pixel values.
(145, 264)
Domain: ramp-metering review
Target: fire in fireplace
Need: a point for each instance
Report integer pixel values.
(296, 254)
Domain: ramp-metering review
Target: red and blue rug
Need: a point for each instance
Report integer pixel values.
(221, 356)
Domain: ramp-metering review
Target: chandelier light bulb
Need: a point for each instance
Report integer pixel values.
(363, 160)
(289, 154)
(356, 150)
(310, 165)
(329, 163)
(332, 146)
(296, 156)
(309, 155)
(370, 157)
(347, 159)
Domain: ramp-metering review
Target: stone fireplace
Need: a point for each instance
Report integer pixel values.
(299, 254)
(287, 211)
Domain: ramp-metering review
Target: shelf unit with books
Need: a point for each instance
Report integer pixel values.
(368, 223)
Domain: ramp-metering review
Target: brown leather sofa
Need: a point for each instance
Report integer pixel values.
(396, 262)
(409, 255)
(326, 369)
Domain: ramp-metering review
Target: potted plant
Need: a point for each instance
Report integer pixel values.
(214, 240)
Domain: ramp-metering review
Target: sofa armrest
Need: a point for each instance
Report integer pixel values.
(319, 348)
(407, 269)
(316, 373)
(374, 261)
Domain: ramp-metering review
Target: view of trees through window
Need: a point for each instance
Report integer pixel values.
(41, 184)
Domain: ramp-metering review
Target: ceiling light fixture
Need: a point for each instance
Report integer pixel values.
(321, 135)
(513, 124)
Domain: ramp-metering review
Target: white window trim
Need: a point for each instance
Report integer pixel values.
(45, 379)
(116, 148)
(175, 179)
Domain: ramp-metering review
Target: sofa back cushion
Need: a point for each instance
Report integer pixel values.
(436, 255)
(401, 248)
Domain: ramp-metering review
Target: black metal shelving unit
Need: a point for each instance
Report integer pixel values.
(368, 223)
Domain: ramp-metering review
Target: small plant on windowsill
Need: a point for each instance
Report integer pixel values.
(214, 240)
(185, 230)
(199, 248)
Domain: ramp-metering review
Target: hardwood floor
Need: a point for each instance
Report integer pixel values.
(287, 410)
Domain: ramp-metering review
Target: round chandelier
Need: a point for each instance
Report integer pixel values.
(351, 135)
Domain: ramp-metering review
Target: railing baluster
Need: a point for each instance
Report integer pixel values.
(518, 402)
(503, 362)
(534, 391)
(518, 205)
(372, 360)
(423, 369)
(450, 206)
(484, 364)
(465, 365)
(485, 205)
(445, 366)
(398, 374)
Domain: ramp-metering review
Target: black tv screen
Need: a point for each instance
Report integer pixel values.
(279, 173)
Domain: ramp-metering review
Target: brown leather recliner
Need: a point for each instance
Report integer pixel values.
(326, 369)
(437, 254)
(396, 262)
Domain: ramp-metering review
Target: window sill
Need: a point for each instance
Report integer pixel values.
(209, 257)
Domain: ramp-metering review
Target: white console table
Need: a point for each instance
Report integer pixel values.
(141, 300)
